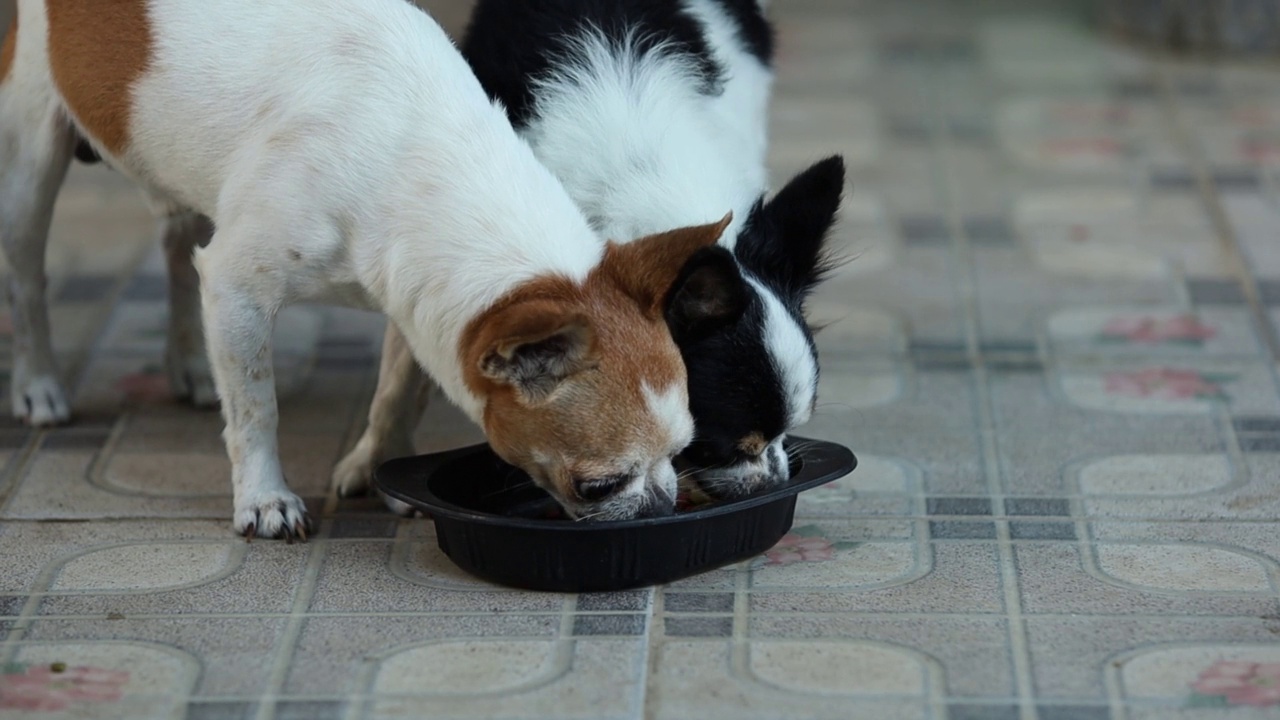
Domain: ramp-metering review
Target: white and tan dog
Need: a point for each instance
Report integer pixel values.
(345, 153)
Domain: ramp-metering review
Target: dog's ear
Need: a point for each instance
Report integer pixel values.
(709, 293)
(645, 269)
(783, 240)
(534, 346)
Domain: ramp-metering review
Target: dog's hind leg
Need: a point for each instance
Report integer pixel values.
(36, 143)
(397, 406)
(180, 232)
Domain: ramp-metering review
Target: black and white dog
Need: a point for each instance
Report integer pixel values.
(653, 113)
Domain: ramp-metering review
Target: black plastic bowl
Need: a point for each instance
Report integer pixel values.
(490, 520)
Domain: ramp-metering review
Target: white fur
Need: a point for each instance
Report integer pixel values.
(691, 157)
(791, 356)
(384, 180)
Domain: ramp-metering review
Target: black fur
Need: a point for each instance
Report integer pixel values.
(754, 31)
(782, 241)
(511, 43)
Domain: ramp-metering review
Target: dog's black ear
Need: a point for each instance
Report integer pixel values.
(783, 240)
(708, 294)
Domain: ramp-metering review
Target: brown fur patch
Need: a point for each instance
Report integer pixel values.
(97, 51)
(645, 269)
(753, 444)
(589, 424)
(6, 50)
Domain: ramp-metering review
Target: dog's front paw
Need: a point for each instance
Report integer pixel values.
(352, 474)
(281, 516)
(39, 401)
(191, 380)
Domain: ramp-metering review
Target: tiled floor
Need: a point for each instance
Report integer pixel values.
(1055, 352)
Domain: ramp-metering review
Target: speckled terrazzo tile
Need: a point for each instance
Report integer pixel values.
(83, 483)
(940, 578)
(973, 652)
(1074, 657)
(722, 681)
(31, 553)
(336, 656)
(512, 679)
(929, 424)
(411, 576)
(224, 657)
(220, 576)
(1118, 578)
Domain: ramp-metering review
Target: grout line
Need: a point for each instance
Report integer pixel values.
(284, 653)
(963, 270)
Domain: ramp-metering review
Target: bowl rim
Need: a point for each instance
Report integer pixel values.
(834, 462)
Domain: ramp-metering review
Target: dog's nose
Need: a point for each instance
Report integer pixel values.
(597, 489)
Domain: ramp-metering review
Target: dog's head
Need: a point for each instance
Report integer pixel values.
(583, 387)
(756, 378)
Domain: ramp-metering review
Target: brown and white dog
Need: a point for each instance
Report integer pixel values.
(345, 153)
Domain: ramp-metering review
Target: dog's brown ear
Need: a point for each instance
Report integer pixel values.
(646, 268)
(534, 346)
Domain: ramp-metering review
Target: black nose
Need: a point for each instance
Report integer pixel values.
(597, 489)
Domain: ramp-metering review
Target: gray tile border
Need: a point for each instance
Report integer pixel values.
(310, 710)
(633, 600)
(1237, 180)
(969, 711)
(363, 527)
(958, 506)
(697, 602)
(988, 230)
(924, 230)
(147, 288)
(90, 440)
(1260, 443)
(1033, 530)
(1269, 292)
(1074, 712)
(1173, 179)
(1256, 424)
(1037, 506)
(221, 710)
(698, 626)
(961, 530)
(1212, 291)
(14, 439)
(85, 288)
(11, 605)
(609, 624)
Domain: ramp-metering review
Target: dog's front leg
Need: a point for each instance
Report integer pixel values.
(397, 406)
(239, 312)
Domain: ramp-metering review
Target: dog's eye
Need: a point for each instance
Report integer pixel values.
(595, 489)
